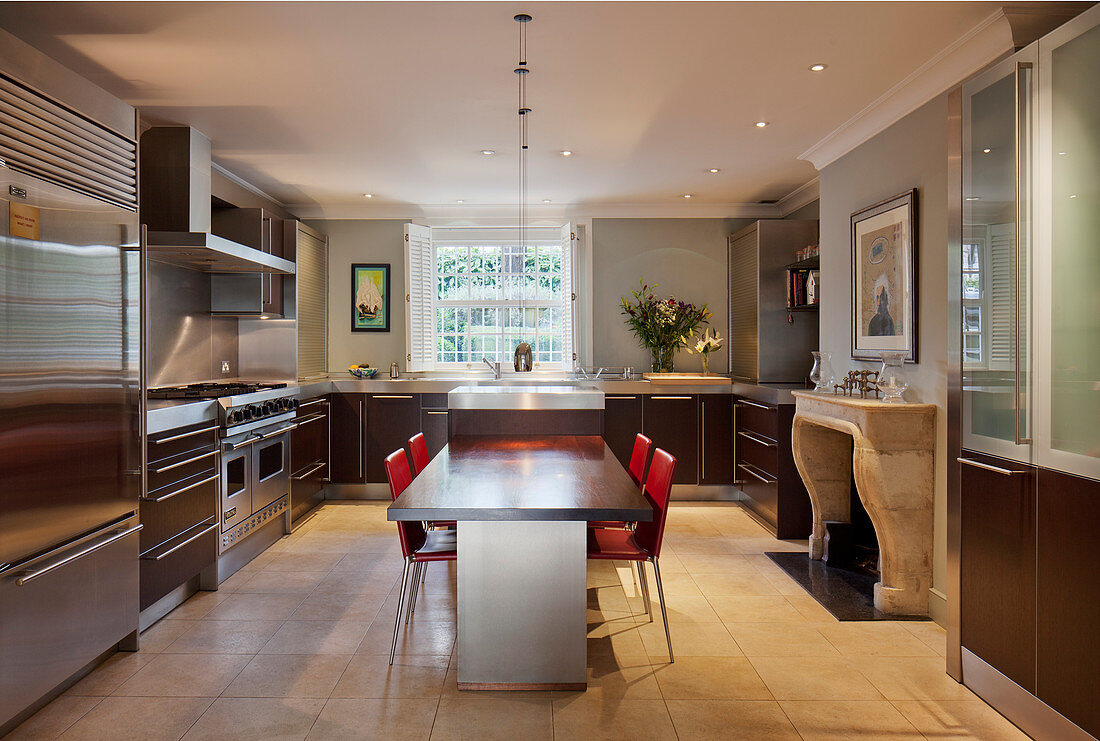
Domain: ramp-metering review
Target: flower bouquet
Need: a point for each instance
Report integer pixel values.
(704, 346)
(661, 324)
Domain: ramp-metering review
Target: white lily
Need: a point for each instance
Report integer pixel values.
(706, 343)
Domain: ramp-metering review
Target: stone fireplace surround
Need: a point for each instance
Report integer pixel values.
(889, 449)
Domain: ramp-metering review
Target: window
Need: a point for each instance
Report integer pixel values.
(477, 297)
(972, 303)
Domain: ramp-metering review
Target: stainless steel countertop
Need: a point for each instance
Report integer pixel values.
(767, 393)
(524, 397)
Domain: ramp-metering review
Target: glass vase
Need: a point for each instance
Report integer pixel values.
(706, 364)
(892, 379)
(663, 358)
(821, 375)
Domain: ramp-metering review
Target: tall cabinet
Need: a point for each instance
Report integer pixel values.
(1027, 491)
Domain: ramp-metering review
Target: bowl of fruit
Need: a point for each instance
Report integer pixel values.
(362, 371)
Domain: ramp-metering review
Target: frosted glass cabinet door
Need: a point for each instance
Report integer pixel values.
(1069, 429)
(998, 142)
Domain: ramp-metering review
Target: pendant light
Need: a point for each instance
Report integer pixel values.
(522, 70)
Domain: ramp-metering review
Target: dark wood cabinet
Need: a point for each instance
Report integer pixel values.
(347, 413)
(391, 419)
(672, 422)
(997, 560)
(433, 423)
(1068, 596)
(715, 439)
(622, 421)
(309, 456)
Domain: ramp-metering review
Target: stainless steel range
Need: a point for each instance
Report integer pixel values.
(255, 420)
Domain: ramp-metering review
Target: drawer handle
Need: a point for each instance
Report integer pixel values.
(192, 433)
(987, 467)
(752, 471)
(670, 397)
(184, 463)
(32, 575)
(432, 411)
(313, 418)
(621, 398)
(190, 540)
(747, 403)
(311, 403)
(758, 439)
(391, 396)
(310, 472)
(189, 487)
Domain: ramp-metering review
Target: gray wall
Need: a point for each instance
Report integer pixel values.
(684, 257)
(364, 240)
(811, 210)
(911, 153)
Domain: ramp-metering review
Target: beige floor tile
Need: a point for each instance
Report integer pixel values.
(418, 638)
(814, 678)
(929, 634)
(236, 581)
(369, 564)
(52, 720)
(160, 635)
(270, 719)
(410, 676)
(721, 720)
(620, 677)
(430, 607)
(386, 542)
(781, 639)
(282, 582)
(138, 719)
(676, 585)
(304, 561)
(685, 545)
(224, 637)
(184, 675)
(696, 563)
(831, 720)
(711, 678)
(688, 639)
(682, 609)
(197, 606)
(912, 678)
(336, 606)
(494, 719)
(874, 639)
(355, 582)
(618, 637)
(317, 637)
(255, 607)
(109, 676)
(756, 609)
(734, 585)
(277, 675)
(582, 718)
(450, 687)
(375, 720)
(809, 608)
(969, 719)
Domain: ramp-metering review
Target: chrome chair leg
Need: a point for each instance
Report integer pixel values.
(645, 590)
(400, 599)
(414, 591)
(664, 610)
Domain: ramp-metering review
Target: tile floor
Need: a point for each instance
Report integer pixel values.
(295, 646)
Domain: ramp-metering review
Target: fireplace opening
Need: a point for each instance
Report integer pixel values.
(852, 545)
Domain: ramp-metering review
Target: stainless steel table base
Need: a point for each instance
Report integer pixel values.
(521, 605)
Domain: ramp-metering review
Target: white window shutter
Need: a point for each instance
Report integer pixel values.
(419, 290)
(1001, 282)
(569, 297)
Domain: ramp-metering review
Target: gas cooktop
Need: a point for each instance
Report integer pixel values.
(211, 390)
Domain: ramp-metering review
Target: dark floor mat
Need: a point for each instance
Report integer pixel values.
(847, 595)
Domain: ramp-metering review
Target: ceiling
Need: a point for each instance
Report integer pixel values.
(318, 103)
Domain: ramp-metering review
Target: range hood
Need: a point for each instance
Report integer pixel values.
(175, 206)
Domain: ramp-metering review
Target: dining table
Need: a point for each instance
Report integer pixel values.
(522, 504)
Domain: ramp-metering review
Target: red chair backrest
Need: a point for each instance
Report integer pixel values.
(638, 457)
(397, 472)
(658, 486)
(418, 448)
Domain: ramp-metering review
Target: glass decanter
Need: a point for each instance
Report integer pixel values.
(892, 378)
(821, 375)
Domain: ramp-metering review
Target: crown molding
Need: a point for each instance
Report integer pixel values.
(801, 196)
(453, 212)
(975, 49)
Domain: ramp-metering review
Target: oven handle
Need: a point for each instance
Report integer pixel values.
(175, 548)
(311, 403)
(312, 418)
(34, 574)
(162, 469)
(281, 430)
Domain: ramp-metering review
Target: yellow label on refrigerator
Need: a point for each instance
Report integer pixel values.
(24, 221)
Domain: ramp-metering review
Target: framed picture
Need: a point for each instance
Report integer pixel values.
(370, 294)
(884, 278)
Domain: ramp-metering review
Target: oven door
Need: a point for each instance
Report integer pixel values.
(270, 469)
(236, 486)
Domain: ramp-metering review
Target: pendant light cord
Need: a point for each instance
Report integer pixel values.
(522, 70)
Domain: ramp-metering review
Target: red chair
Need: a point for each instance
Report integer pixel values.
(418, 546)
(644, 542)
(418, 451)
(639, 456)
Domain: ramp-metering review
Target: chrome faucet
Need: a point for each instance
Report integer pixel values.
(494, 367)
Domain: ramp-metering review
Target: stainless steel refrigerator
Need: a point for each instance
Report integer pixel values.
(70, 458)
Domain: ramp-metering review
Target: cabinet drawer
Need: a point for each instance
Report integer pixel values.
(758, 451)
(184, 506)
(165, 475)
(309, 440)
(433, 401)
(175, 442)
(762, 419)
(173, 562)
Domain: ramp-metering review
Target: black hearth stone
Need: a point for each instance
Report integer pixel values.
(847, 595)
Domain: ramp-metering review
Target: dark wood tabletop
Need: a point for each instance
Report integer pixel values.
(561, 477)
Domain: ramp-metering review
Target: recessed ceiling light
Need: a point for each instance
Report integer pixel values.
(817, 67)
(761, 124)
(713, 170)
(987, 150)
(1073, 195)
(973, 198)
(368, 195)
(687, 195)
(488, 152)
(566, 153)
(546, 200)
(1061, 154)
(460, 201)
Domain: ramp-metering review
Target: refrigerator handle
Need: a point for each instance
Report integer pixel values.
(54, 565)
(1022, 115)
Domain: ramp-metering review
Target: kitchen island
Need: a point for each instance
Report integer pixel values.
(522, 505)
